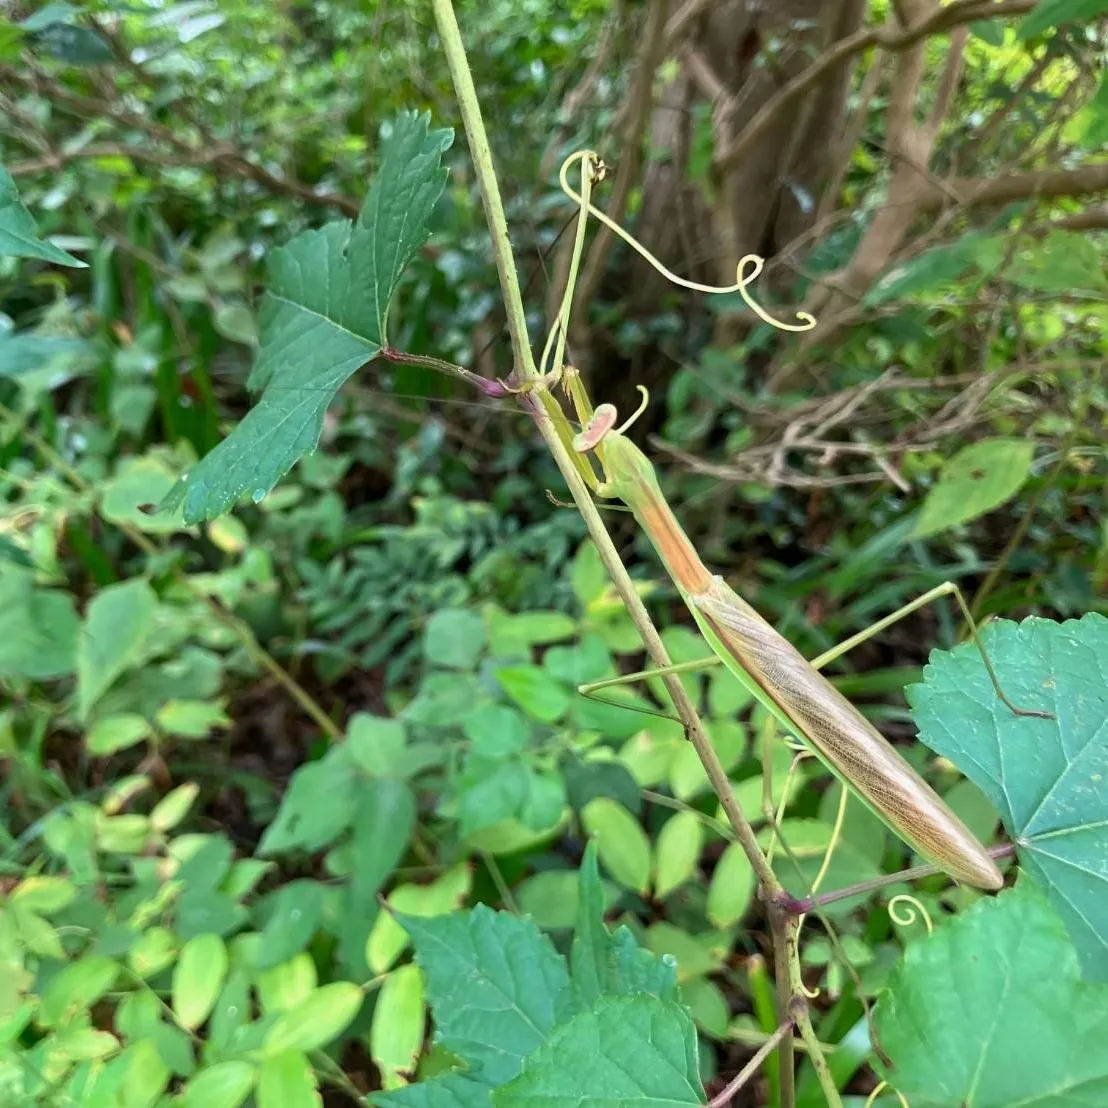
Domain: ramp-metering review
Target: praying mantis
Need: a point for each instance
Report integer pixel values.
(774, 672)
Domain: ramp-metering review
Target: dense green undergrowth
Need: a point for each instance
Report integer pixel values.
(300, 798)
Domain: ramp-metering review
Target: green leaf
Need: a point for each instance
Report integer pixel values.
(376, 744)
(140, 481)
(43, 894)
(622, 843)
(324, 316)
(76, 988)
(174, 806)
(297, 909)
(677, 852)
(627, 1051)
(990, 1010)
(399, 1021)
(224, 1085)
(382, 831)
(551, 898)
(929, 271)
(197, 979)
(192, 719)
(116, 626)
(315, 1021)
(541, 696)
(1063, 261)
(497, 731)
(286, 985)
(19, 236)
(1048, 778)
(118, 732)
(1048, 14)
(976, 480)
(454, 638)
(287, 1080)
(318, 806)
(496, 986)
(38, 628)
(21, 355)
(732, 887)
(988, 30)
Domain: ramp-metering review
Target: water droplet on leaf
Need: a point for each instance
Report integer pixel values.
(258, 495)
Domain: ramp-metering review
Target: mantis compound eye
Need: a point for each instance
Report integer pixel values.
(603, 420)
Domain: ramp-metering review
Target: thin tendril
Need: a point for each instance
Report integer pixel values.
(904, 909)
(743, 278)
(872, 1098)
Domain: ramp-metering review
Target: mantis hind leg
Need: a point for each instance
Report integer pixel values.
(947, 588)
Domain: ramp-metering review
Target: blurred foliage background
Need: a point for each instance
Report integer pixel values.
(928, 181)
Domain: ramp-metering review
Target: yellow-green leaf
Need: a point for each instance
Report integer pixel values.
(677, 851)
(622, 844)
(197, 978)
(399, 1022)
(286, 985)
(173, 807)
(732, 887)
(224, 1085)
(153, 951)
(76, 988)
(43, 894)
(316, 1020)
(286, 1080)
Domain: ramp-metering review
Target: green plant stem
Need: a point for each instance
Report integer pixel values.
(555, 430)
(242, 631)
(801, 905)
(816, 1056)
(748, 1071)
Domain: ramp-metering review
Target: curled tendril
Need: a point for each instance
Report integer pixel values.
(904, 909)
(872, 1098)
(749, 268)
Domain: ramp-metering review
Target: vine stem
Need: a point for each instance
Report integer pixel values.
(536, 398)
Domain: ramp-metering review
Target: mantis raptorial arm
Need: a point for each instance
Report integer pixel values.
(783, 681)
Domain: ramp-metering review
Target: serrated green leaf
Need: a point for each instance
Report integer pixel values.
(677, 852)
(19, 236)
(197, 978)
(990, 1011)
(316, 1020)
(495, 984)
(627, 1051)
(976, 480)
(324, 315)
(622, 843)
(450, 1090)
(118, 621)
(1048, 778)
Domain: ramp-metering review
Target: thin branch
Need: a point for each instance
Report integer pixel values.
(722, 1099)
(940, 20)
